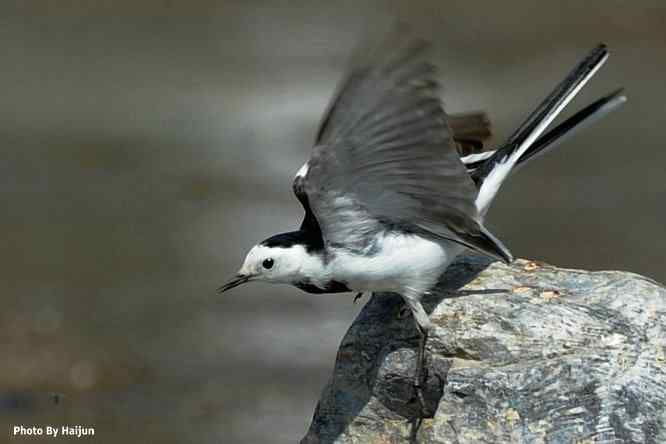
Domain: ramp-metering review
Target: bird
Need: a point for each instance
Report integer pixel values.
(389, 196)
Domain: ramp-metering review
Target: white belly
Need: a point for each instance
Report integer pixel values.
(400, 263)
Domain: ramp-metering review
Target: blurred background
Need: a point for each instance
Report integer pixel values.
(146, 145)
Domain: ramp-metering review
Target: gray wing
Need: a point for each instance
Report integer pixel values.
(384, 158)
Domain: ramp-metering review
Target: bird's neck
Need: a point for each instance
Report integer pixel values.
(319, 275)
(313, 272)
(316, 273)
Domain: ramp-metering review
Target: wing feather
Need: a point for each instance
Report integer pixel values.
(385, 157)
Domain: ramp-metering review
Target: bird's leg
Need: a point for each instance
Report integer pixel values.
(358, 296)
(420, 374)
(423, 326)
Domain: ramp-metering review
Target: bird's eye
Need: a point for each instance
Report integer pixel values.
(268, 263)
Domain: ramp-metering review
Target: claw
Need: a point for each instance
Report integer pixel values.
(358, 296)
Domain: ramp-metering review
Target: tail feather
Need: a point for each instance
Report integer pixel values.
(582, 119)
(494, 171)
(555, 137)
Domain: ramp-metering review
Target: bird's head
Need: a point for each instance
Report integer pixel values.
(271, 263)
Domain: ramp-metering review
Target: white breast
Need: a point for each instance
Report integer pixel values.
(398, 263)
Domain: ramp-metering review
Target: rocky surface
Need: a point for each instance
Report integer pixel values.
(526, 353)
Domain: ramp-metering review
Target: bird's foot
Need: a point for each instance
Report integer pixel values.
(358, 296)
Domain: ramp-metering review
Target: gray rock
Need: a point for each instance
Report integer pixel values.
(526, 353)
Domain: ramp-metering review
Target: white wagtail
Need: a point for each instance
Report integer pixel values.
(389, 202)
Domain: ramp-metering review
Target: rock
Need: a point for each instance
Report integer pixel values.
(526, 353)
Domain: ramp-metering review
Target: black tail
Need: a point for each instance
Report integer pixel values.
(492, 173)
(565, 130)
(582, 119)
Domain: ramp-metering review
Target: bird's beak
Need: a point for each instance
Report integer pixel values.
(235, 282)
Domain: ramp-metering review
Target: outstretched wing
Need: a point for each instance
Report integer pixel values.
(384, 158)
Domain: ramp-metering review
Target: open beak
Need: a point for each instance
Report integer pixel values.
(235, 282)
